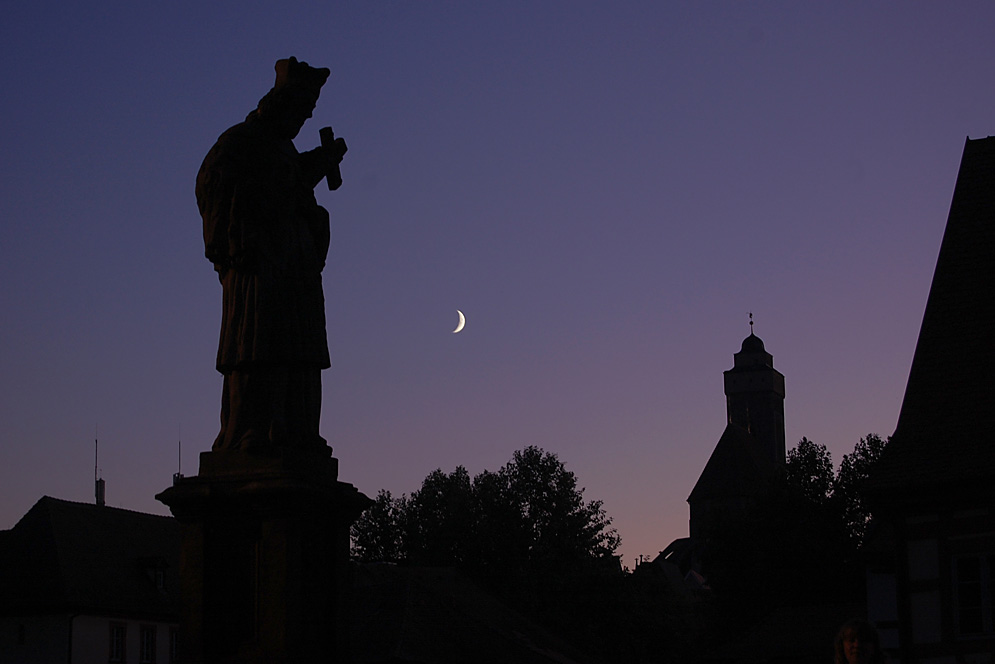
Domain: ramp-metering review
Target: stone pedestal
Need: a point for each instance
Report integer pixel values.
(264, 558)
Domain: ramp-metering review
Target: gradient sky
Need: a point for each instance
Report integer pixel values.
(605, 189)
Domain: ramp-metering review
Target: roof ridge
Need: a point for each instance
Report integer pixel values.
(94, 506)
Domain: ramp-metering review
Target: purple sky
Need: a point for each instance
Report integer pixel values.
(604, 191)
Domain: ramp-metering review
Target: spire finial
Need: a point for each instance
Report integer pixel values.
(751, 322)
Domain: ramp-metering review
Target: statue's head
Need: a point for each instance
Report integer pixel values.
(294, 95)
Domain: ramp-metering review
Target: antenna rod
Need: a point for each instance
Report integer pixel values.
(178, 475)
(98, 484)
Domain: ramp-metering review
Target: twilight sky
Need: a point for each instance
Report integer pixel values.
(604, 189)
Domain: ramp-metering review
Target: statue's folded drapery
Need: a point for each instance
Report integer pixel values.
(268, 240)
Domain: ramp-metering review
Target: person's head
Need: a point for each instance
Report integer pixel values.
(857, 643)
(293, 97)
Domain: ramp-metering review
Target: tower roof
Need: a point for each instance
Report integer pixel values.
(736, 467)
(752, 344)
(752, 354)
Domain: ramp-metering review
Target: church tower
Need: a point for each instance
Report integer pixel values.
(755, 397)
(751, 449)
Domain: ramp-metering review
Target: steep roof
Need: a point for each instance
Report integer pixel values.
(67, 556)
(736, 468)
(944, 434)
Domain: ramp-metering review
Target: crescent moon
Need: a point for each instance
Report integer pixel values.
(462, 321)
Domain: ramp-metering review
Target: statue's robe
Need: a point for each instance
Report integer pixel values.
(268, 240)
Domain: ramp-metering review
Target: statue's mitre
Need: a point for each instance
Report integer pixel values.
(291, 73)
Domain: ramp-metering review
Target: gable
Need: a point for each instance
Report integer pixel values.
(944, 432)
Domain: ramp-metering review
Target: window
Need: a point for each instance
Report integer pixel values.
(173, 642)
(118, 634)
(974, 577)
(146, 654)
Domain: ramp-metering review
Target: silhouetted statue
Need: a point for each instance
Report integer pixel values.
(268, 239)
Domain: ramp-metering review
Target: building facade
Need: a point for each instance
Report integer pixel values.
(931, 547)
(88, 584)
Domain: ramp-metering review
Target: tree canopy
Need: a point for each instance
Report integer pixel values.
(848, 487)
(531, 513)
(524, 531)
(808, 468)
(798, 539)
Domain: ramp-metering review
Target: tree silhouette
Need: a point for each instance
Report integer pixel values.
(524, 531)
(376, 535)
(530, 513)
(792, 544)
(849, 484)
(437, 520)
(808, 468)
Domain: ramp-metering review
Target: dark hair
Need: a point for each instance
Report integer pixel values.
(863, 629)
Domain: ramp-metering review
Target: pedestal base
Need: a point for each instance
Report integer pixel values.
(264, 559)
